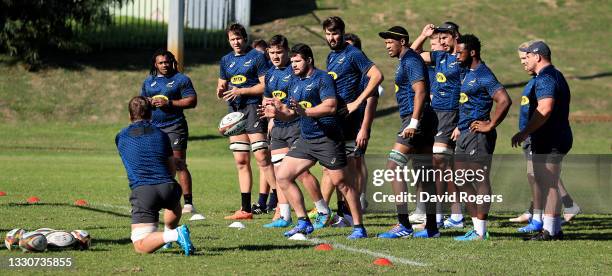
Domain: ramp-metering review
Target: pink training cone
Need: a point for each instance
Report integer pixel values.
(383, 262)
(33, 199)
(80, 202)
(2, 193)
(323, 247)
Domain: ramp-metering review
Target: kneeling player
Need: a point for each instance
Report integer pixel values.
(313, 99)
(147, 156)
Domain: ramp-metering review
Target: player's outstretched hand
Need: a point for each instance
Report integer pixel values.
(232, 94)
(293, 104)
(481, 126)
(362, 139)
(518, 139)
(408, 132)
(455, 134)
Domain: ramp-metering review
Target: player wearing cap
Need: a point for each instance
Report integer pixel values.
(416, 135)
(148, 160)
(284, 134)
(475, 133)
(550, 132)
(241, 85)
(445, 102)
(313, 99)
(170, 92)
(347, 64)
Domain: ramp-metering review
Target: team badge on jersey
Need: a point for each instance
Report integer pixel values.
(440, 77)
(170, 84)
(305, 104)
(287, 78)
(333, 74)
(396, 88)
(463, 98)
(524, 100)
(248, 63)
(279, 94)
(238, 79)
(309, 87)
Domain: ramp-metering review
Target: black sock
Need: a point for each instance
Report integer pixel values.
(402, 215)
(358, 226)
(188, 198)
(263, 198)
(304, 219)
(273, 199)
(430, 223)
(246, 202)
(531, 207)
(567, 201)
(341, 208)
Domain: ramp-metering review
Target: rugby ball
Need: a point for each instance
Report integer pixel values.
(83, 239)
(60, 239)
(44, 231)
(11, 240)
(33, 242)
(232, 124)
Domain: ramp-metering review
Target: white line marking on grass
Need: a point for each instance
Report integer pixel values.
(105, 205)
(368, 252)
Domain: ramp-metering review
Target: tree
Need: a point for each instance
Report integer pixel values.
(28, 28)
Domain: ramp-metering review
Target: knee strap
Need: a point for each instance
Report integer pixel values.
(142, 232)
(240, 146)
(399, 158)
(259, 145)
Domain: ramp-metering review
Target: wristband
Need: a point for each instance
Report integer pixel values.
(414, 123)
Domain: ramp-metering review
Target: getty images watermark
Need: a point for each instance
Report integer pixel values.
(429, 177)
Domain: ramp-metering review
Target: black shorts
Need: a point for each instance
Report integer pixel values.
(350, 124)
(425, 132)
(284, 137)
(475, 146)
(178, 134)
(147, 200)
(254, 124)
(447, 122)
(328, 152)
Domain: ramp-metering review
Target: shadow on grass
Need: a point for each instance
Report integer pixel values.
(205, 137)
(259, 247)
(102, 211)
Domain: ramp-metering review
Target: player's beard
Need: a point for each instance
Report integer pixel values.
(338, 46)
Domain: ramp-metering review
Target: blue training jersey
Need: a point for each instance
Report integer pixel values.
(550, 83)
(310, 92)
(410, 70)
(448, 73)
(347, 66)
(278, 81)
(175, 87)
(144, 151)
(524, 108)
(431, 73)
(476, 99)
(243, 71)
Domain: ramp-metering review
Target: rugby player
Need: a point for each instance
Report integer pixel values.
(241, 85)
(147, 156)
(550, 133)
(475, 133)
(170, 92)
(416, 135)
(284, 134)
(313, 99)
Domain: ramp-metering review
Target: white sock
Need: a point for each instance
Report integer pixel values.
(483, 227)
(457, 217)
(549, 224)
(322, 207)
(285, 211)
(477, 225)
(170, 235)
(438, 212)
(537, 214)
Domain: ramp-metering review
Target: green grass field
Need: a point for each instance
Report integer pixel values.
(57, 128)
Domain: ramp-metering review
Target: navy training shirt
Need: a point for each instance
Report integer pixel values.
(476, 99)
(144, 151)
(278, 81)
(175, 87)
(524, 108)
(448, 73)
(550, 83)
(310, 92)
(243, 71)
(410, 70)
(347, 66)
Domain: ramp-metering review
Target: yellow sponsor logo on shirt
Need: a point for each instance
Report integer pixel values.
(238, 79)
(440, 77)
(333, 74)
(463, 97)
(524, 100)
(396, 88)
(305, 104)
(279, 94)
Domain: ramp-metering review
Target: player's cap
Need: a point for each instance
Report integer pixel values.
(537, 47)
(395, 32)
(448, 27)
